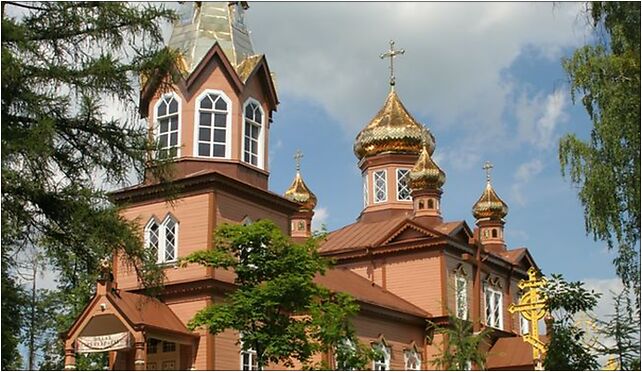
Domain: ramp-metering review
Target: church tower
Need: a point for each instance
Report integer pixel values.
(298, 192)
(489, 212)
(217, 116)
(426, 179)
(387, 149)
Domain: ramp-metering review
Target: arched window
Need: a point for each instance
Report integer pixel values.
(412, 360)
(213, 132)
(344, 350)
(168, 126)
(253, 134)
(383, 362)
(152, 236)
(169, 240)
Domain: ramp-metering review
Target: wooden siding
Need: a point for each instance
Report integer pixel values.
(193, 234)
(232, 209)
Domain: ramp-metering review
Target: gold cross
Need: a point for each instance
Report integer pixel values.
(487, 167)
(532, 306)
(392, 53)
(298, 155)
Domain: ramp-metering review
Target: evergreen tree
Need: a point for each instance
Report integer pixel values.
(621, 328)
(282, 314)
(63, 63)
(566, 351)
(461, 347)
(605, 77)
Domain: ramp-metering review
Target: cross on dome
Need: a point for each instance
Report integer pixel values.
(487, 167)
(392, 53)
(298, 155)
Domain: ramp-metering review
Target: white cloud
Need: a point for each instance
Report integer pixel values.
(524, 173)
(537, 118)
(320, 217)
(451, 71)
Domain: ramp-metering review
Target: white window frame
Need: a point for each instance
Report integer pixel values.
(260, 158)
(382, 365)
(147, 234)
(156, 126)
(228, 123)
(401, 186)
(407, 355)
(350, 345)
(251, 353)
(496, 300)
(375, 186)
(461, 307)
(524, 325)
(364, 178)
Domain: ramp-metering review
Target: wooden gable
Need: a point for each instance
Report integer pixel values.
(409, 231)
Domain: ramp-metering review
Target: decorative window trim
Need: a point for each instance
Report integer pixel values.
(401, 187)
(260, 161)
(493, 281)
(377, 365)
(163, 238)
(147, 234)
(412, 352)
(491, 321)
(459, 270)
(156, 125)
(364, 178)
(228, 123)
(461, 308)
(375, 186)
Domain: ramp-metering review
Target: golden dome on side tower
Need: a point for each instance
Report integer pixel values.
(489, 205)
(426, 174)
(393, 129)
(299, 192)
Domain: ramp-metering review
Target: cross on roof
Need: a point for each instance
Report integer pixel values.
(392, 53)
(487, 167)
(298, 155)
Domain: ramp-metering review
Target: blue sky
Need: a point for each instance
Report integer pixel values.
(486, 79)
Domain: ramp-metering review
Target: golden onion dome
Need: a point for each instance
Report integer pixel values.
(393, 129)
(299, 192)
(426, 174)
(490, 205)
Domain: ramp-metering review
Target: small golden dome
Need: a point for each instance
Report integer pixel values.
(393, 129)
(299, 192)
(490, 205)
(426, 174)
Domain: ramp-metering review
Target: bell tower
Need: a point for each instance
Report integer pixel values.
(489, 212)
(216, 113)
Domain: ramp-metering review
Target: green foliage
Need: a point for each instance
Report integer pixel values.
(623, 329)
(566, 351)
(606, 78)
(12, 302)
(460, 345)
(279, 309)
(63, 63)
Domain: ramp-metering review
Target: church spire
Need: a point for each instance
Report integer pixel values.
(298, 192)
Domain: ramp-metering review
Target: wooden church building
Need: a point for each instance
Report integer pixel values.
(401, 260)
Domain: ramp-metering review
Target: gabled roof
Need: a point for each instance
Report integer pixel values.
(511, 353)
(238, 79)
(518, 256)
(360, 234)
(344, 280)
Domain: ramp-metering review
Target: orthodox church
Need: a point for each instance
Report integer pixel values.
(401, 260)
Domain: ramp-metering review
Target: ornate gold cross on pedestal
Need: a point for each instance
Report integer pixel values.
(392, 53)
(298, 155)
(532, 307)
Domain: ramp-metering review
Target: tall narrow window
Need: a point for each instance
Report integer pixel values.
(524, 325)
(380, 187)
(461, 297)
(170, 228)
(382, 363)
(253, 124)
(365, 189)
(212, 126)
(412, 360)
(167, 130)
(493, 302)
(248, 358)
(152, 236)
(343, 352)
(403, 190)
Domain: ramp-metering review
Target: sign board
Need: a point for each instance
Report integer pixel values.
(101, 343)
